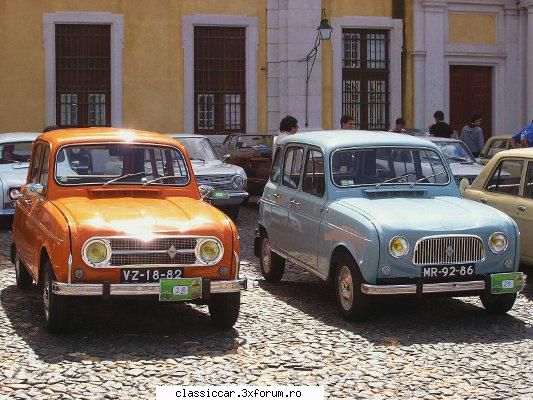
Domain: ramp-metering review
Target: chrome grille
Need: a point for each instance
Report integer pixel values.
(439, 250)
(129, 251)
(151, 245)
(152, 258)
(217, 182)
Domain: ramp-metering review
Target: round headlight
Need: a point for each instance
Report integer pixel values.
(238, 181)
(398, 246)
(209, 251)
(498, 242)
(96, 252)
(14, 193)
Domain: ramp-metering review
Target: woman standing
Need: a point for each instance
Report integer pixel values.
(472, 135)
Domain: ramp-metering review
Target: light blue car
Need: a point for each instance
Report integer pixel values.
(379, 213)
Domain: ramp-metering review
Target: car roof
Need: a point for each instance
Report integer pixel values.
(500, 137)
(358, 138)
(18, 137)
(521, 152)
(440, 139)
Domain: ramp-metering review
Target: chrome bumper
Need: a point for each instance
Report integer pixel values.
(137, 289)
(235, 198)
(446, 287)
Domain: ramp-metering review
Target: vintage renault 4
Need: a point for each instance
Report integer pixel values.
(380, 214)
(109, 212)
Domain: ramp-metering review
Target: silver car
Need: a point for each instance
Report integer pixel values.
(15, 153)
(226, 182)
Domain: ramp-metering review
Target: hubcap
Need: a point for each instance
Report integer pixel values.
(345, 287)
(266, 255)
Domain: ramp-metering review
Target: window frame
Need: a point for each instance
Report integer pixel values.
(528, 168)
(34, 174)
(498, 167)
(286, 150)
(306, 158)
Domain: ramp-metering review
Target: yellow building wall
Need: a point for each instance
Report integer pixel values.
(152, 58)
(408, 74)
(472, 28)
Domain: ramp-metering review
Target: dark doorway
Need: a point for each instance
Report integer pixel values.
(470, 93)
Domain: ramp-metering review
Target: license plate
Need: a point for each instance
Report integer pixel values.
(508, 282)
(148, 275)
(220, 194)
(448, 271)
(181, 289)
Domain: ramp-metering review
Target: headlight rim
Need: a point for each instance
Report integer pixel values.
(104, 262)
(10, 196)
(408, 246)
(242, 185)
(199, 245)
(506, 242)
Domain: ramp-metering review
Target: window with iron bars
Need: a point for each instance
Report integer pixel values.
(365, 77)
(219, 79)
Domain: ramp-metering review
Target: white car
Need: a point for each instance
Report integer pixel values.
(15, 153)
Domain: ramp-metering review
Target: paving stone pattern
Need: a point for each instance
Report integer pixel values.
(287, 334)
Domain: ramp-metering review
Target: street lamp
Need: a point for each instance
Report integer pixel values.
(323, 33)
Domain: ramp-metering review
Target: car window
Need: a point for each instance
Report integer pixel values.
(528, 189)
(43, 180)
(199, 148)
(455, 152)
(314, 180)
(36, 163)
(260, 143)
(506, 177)
(276, 166)
(497, 146)
(15, 152)
(292, 167)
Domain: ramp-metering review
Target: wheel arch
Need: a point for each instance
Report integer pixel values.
(338, 252)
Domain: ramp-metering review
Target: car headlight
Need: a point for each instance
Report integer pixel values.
(96, 252)
(238, 181)
(14, 193)
(498, 242)
(209, 251)
(398, 246)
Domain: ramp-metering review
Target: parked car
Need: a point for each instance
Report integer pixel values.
(507, 184)
(462, 162)
(227, 181)
(132, 223)
(380, 214)
(15, 152)
(494, 145)
(254, 154)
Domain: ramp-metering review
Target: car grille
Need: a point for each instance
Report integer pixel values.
(164, 251)
(448, 250)
(217, 182)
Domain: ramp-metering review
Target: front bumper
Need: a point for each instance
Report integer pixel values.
(137, 289)
(235, 198)
(7, 211)
(446, 287)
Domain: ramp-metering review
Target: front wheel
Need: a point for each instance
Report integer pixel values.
(498, 303)
(54, 309)
(224, 309)
(352, 303)
(272, 265)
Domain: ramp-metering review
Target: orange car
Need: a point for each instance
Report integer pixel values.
(110, 212)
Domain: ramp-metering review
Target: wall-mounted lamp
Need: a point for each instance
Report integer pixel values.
(323, 33)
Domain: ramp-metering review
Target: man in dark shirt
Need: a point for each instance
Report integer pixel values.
(440, 128)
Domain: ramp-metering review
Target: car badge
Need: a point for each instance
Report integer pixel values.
(172, 252)
(450, 251)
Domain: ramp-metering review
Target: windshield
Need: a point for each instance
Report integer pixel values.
(121, 164)
(387, 165)
(15, 152)
(261, 143)
(199, 148)
(456, 152)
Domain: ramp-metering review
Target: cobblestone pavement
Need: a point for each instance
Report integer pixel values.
(287, 334)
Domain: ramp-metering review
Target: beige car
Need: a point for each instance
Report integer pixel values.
(494, 145)
(506, 183)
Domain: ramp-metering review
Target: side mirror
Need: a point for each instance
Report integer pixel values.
(225, 157)
(463, 185)
(35, 187)
(206, 191)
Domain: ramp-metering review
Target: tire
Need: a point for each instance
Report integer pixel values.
(54, 307)
(224, 309)
(22, 276)
(272, 265)
(498, 303)
(232, 212)
(352, 303)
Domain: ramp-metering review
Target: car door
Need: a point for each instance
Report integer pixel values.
(525, 214)
(305, 211)
(502, 188)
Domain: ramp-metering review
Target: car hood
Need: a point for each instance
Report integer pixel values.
(142, 217)
(459, 169)
(13, 175)
(215, 167)
(435, 214)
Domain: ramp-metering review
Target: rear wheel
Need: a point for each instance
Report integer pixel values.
(272, 265)
(22, 276)
(352, 303)
(224, 309)
(498, 303)
(54, 308)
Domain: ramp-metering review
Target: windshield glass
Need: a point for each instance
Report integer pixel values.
(198, 148)
(387, 165)
(98, 164)
(261, 143)
(455, 152)
(15, 152)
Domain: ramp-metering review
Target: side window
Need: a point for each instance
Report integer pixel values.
(292, 166)
(36, 163)
(314, 181)
(506, 178)
(43, 180)
(528, 189)
(496, 147)
(276, 166)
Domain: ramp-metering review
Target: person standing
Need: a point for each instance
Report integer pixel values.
(440, 128)
(524, 138)
(472, 135)
(288, 126)
(347, 122)
(400, 126)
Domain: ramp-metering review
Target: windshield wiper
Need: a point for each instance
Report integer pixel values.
(427, 177)
(395, 178)
(161, 178)
(124, 176)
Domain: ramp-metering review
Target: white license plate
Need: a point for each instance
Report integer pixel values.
(448, 271)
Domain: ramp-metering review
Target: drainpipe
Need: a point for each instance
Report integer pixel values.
(398, 12)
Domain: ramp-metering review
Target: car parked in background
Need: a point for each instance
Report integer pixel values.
(494, 145)
(507, 184)
(131, 223)
(462, 162)
(15, 153)
(254, 154)
(228, 182)
(380, 214)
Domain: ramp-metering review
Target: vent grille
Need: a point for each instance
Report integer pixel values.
(448, 250)
(217, 182)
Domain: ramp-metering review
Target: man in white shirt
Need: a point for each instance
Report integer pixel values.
(288, 126)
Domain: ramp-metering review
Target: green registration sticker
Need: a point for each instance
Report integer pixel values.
(220, 194)
(180, 289)
(509, 282)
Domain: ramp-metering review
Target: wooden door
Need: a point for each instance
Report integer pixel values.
(471, 93)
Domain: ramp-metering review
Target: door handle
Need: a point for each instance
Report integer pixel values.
(521, 208)
(295, 203)
(483, 200)
(276, 195)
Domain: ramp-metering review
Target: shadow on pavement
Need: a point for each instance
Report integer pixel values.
(122, 329)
